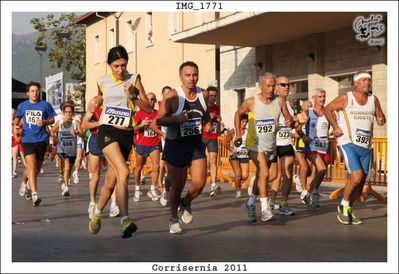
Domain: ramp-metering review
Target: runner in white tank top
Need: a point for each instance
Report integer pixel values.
(353, 126)
(285, 154)
(261, 127)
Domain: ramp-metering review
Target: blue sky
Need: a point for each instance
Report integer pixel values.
(21, 20)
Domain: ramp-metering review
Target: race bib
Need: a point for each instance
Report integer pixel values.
(148, 132)
(265, 126)
(362, 137)
(67, 141)
(320, 144)
(284, 132)
(214, 127)
(32, 116)
(191, 127)
(242, 152)
(116, 116)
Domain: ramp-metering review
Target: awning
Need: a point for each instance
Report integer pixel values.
(252, 29)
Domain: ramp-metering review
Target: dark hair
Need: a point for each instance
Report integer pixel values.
(116, 53)
(212, 88)
(188, 64)
(32, 84)
(165, 88)
(244, 116)
(68, 104)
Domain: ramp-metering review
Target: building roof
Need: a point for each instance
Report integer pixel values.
(91, 17)
(252, 29)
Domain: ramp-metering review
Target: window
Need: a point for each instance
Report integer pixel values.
(96, 57)
(240, 96)
(299, 90)
(148, 30)
(130, 37)
(111, 38)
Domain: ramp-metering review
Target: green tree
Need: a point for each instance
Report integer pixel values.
(65, 41)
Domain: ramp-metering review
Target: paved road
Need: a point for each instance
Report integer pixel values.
(56, 231)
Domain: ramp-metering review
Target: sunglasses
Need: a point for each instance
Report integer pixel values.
(284, 85)
(153, 99)
(212, 95)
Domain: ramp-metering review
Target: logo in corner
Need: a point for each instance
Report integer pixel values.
(370, 29)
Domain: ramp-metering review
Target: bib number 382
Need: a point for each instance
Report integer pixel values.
(116, 116)
(191, 127)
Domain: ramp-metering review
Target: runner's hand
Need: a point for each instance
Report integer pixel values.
(237, 142)
(182, 117)
(338, 132)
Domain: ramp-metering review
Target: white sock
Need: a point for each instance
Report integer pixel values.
(213, 184)
(152, 188)
(97, 211)
(34, 193)
(344, 203)
(252, 199)
(263, 203)
(137, 188)
(123, 218)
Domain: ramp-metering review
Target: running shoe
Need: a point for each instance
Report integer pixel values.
(164, 198)
(36, 200)
(343, 215)
(267, 214)
(28, 194)
(286, 210)
(175, 227)
(153, 195)
(186, 217)
(298, 185)
(41, 170)
(215, 190)
(238, 194)
(90, 209)
(316, 200)
(303, 194)
(60, 177)
(95, 223)
(137, 195)
(251, 211)
(353, 219)
(128, 228)
(22, 189)
(142, 180)
(14, 174)
(114, 210)
(75, 176)
(307, 200)
(65, 192)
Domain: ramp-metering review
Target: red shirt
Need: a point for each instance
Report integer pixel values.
(214, 133)
(96, 117)
(145, 136)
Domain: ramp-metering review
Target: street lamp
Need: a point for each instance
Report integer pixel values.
(40, 50)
